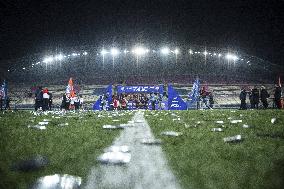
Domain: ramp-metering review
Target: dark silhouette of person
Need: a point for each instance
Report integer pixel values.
(38, 98)
(263, 97)
(255, 97)
(7, 105)
(277, 96)
(243, 98)
(1, 103)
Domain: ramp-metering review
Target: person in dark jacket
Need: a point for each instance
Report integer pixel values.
(263, 97)
(1, 103)
(243, 98)
(255, 97)
(211, 100)
(38, 98)
(63, 103)
(277, 96)
(250, 98)
(50, 101)
(7, 105)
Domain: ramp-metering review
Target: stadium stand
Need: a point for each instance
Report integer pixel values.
(91, 72)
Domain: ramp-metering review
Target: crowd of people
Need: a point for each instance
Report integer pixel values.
(205, 98)
(43, 99)
(256, 96)
(71, 103)
(135, 101)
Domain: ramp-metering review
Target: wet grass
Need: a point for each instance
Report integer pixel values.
(71, 149)
(200, 159)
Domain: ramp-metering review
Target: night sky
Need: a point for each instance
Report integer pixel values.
(29, 27)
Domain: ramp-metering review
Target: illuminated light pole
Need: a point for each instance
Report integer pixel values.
(114, 52)
(194, 66)
(59, 57)
(47, 60)
(165, 51)
(176, 52)
(231, 57)
(103, 53)
(139, 51)
(205, 55)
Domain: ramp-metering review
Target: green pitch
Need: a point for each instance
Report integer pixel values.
(71, 149)
(200, 159)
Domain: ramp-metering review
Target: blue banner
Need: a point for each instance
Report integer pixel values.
(104, 101)
(140, 89)
(175, 102)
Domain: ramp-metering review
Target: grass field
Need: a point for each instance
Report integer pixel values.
(200, 159)
(71, 149)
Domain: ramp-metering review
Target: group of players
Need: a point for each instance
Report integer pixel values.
(136, 101)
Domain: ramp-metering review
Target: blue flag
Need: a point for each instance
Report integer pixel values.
(194, 94)
(175, 102)
(108, 94)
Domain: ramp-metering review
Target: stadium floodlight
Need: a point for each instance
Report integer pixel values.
(231, 57)
(140, 51)
(48, 59)
(205, 52)
(114, 51)
(176, 51)
(104, 52)
(85, 53)
(8, 70)
(126, 51)
(219, 55)
(215, 54)
(190, 51)
(59, 57)
(74, 54)
(24, 68)
(165, 51)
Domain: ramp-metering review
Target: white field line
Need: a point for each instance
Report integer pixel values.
(148, 168)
